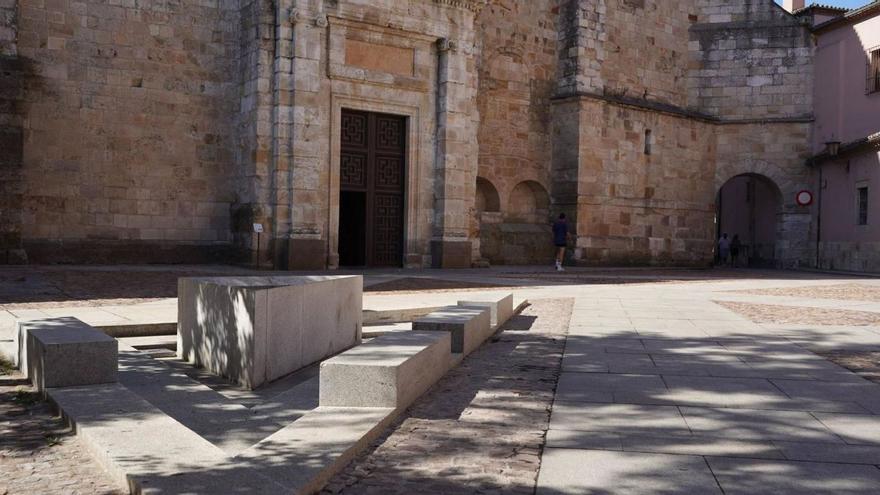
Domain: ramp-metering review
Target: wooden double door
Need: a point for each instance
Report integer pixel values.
(372, 189)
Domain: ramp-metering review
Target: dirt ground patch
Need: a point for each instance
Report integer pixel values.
(844, 292)
(767, 313)
(39, 454)
(415, 284)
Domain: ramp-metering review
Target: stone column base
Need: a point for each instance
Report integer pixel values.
(451, 254)
(306, 254)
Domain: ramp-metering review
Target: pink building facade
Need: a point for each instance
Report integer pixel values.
(846, 141)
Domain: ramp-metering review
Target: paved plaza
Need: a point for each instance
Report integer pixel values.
(611, 381)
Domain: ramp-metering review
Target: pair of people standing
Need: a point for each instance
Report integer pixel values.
(728, 250)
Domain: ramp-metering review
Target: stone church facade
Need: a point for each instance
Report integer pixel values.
(413, 133)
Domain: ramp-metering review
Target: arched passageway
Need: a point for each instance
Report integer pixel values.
(748, 206)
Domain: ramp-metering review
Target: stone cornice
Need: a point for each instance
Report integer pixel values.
(473, 5)
(674, 110)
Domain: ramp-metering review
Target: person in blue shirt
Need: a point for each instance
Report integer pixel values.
(560, 239)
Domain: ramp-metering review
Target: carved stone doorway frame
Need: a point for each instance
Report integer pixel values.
(413, 165)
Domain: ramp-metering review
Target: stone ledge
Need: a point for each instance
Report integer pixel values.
(65, 352)
(500, 310)
(469, 327)
(390, 371)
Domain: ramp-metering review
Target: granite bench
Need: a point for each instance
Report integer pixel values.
(469, 327)
(501, 309)
(389, 371)
(65, 352)
(253, 330)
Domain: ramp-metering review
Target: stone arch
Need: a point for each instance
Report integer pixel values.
(783, 180)
(529, 202)
(488, 199)
(750, 206)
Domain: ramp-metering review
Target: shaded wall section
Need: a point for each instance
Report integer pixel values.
(13, 74)
(128, 138)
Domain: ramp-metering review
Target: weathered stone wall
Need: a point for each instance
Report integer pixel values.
(158, 124)
(128, 136)
(517, 75)
(752, 69)
(334, 67)
(679, 77)
(13, 74)
(644, 208)
(777, 151)
(750, 60)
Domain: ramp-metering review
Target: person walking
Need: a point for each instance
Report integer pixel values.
(560, 240)
(723, 250)
(735, 247)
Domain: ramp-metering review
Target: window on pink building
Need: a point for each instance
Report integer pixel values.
(863, 205)
(874, 71)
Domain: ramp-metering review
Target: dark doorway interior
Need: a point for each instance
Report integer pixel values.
(371, 196)
(352, 228)
(748, 206)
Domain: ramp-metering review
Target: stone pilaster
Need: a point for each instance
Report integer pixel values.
(456, 155)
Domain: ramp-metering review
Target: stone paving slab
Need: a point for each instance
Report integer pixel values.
(576, 472)
(823, 452)
(668, 443)
(854, 429)
(758, 424)
(615, 418)
(760, 477)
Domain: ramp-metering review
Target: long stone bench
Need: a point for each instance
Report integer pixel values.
(253, 330)
(65, 352)
(501, 309)
(389, 371)
(469, 327)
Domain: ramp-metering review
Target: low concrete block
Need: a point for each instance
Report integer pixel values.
(65, 352)
(501, 309)
(389, 371)
(253, 330)
(468, 326)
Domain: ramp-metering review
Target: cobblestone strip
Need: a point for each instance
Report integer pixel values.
(801, 315)
(41, 455)
(480, 429)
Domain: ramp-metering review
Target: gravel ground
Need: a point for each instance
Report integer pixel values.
(767, 313)
(39, 455)
(481, 428)
(415, 285)
(847, 292)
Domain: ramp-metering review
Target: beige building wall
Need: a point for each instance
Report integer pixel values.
(517, 79)
(128, 136)
(163, 132)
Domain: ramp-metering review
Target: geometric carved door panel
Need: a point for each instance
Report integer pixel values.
(372, 177)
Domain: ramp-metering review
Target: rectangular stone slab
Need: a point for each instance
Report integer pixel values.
(501, 308)
(469, 327)
(388, 371)
(253, 330)
(65, 352)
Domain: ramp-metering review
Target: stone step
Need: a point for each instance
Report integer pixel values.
(65, 352)
(469, 327)
(501, 309)
(389, 371)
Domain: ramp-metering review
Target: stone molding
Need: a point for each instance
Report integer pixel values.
(473, 5)
(679, 111)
